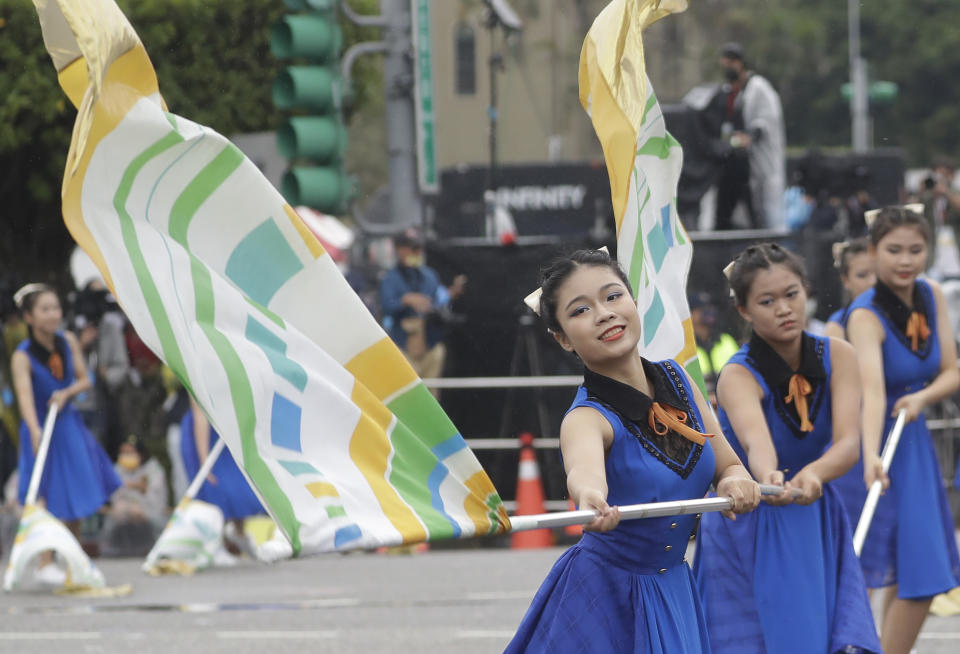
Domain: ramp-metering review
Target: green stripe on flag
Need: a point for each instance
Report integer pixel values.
(241, 392)
(659, 147)
(636, 259)
(151, 295)
(200, 188)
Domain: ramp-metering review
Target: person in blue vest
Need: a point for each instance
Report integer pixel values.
(908, 361)
(785, 579)
(854, 262)
(637, 431)
(415, 305)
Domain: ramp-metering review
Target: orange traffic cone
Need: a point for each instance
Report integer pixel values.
(529, 498)
(573, 530)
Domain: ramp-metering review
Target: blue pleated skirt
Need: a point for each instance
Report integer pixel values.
(589, 605)
(78, 476)
(784, 580)
(231, 493)
(911, 539)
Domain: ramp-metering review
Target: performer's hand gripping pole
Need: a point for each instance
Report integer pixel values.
(873, 496)
(632, 511)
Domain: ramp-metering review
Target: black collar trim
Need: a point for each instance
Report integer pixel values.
(628, 401)
(778, 372)
(42, 354)
(897, 313)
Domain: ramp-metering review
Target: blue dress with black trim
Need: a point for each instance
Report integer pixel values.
(838, 317)
(911, 539)
(78, 476)
(630, 589)
(785, 579)
(231, 493)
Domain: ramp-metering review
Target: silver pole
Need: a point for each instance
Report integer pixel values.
(631, 511)
(873, 496)
(204, 470)
(40, 461)
(859, 107)
(405, 207)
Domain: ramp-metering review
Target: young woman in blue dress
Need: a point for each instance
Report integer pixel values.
(637, 431)
(908, 360)
(226, 487)
(784, 579)
(48, 368)
(857, 274)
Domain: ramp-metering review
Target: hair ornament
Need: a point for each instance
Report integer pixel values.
(870, 216)
(533, 300)
(728, 269)
(838, 250)
(24, 291)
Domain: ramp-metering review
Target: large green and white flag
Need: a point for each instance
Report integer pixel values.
(644, 162)
(338, 436)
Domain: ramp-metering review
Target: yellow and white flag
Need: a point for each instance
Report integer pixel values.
(338, 436)
(643, 162)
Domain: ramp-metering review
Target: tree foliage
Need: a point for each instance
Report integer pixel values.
(214, 66)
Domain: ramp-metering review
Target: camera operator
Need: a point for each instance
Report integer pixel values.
(941, 203)
(416, 306)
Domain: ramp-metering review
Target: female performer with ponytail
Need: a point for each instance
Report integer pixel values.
(908, 361)
(784, 579)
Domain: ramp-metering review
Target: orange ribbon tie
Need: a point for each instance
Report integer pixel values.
(800, 388)
(917, 330)
(55, 363)
(664, 418)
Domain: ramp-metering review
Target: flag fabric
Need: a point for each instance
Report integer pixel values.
(40, 532)
(643, 162)
(338, 436)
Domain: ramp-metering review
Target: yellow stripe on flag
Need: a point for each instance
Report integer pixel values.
(370, 451)
(73, 80)
(309, 239)
(322, 489)
(133, 69)
(479, 486)
(383, 368)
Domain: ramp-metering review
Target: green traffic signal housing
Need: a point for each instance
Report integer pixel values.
(315, 141)
(319, 138)
(325, 189)
(312, 36)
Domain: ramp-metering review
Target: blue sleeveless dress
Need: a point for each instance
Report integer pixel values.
(785, 579)
(838, 317)
(911, 540)
(231, 493)
(78, 476)
(630, 589)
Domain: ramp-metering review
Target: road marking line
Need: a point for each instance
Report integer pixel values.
(501, 595)
(265, 635)
(941, 635)
(483, 634)
(50, 635)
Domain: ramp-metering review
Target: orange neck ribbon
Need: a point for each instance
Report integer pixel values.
(55, 363)
(664, 418)
(917, 330)
(800, 388)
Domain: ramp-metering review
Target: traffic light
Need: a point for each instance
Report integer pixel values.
(315, 139)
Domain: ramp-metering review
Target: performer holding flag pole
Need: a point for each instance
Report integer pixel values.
(908, 361)
(873, 495)
(785, 577)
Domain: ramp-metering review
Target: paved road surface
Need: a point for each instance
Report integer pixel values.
(464, 601)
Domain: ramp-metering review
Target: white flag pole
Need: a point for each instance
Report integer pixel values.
(204, 471)
(41, 460)
(873, 496)
(633, 511)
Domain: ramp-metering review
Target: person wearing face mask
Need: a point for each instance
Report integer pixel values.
(714, 347)
(415, 305)
(754, 129)
(138, 509)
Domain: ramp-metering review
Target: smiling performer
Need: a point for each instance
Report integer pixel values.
(785, 578)
(908, 360)
(637, 431)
